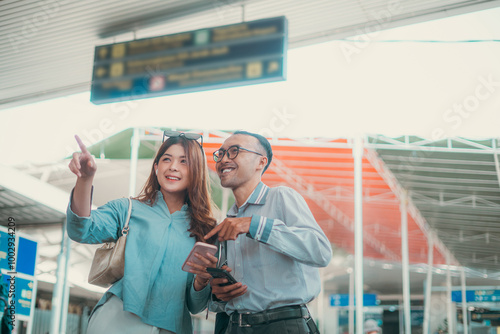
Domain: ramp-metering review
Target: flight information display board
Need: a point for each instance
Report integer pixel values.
(227, 56)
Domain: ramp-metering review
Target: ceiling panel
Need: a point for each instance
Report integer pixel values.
(46, 48)
(26, 211)
(455, 186)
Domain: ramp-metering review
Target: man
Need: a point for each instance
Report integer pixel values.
(273, 245)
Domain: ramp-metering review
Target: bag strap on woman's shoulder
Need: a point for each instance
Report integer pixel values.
(125, 227)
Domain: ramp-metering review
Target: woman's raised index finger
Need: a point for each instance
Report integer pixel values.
(81, 144)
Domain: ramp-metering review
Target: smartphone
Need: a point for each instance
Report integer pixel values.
(200, 248)
(222, 273)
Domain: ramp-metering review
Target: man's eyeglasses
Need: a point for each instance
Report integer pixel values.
(187, 135)
(232, 153)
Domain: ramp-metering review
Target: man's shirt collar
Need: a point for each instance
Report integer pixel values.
(258, 196)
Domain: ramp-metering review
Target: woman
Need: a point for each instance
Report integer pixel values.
(172, 212)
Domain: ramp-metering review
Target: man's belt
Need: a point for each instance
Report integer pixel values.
(280, 313)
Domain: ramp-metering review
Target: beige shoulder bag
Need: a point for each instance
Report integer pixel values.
(109, 260)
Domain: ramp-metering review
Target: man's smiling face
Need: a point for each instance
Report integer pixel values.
(234, 173)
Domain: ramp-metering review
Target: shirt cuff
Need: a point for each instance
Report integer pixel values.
(260, 228)
(201, 295)
(216, 305)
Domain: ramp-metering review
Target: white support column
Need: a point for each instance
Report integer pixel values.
(321, 305)
(135, 142)
(358, 231)
(29, 330)
(351, 301)
(469, 312)
(406, 262)
(65, 289)
(55, 315)
(428, 286)
(57, 294)
(464, 302)
(449, 306)
(335, 323)
(64, 310)
(401, 317)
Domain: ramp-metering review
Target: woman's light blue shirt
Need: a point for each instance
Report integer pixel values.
(153, 287)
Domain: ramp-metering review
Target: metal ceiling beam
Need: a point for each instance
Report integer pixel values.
(218, 137)
(328, 182)
(387, 156)
(421, 168)
(493, 259)
(455, 195)
(382, 198)
(479, 244)
(490, 207)
(472, 201)
(422, 185)
(497, 164)
(328, 173)
(380, 142)
(453, 214)
(440, 180)
(464, 226)
(17, 207)
(471, 255)
(385, 197)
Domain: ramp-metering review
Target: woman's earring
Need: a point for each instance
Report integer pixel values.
(156, 171)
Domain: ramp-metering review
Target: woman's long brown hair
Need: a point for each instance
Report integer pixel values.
(198, 197)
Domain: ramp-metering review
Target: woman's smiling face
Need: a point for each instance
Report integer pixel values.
(172, 171)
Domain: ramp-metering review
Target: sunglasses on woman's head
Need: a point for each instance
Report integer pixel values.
(187, 135)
